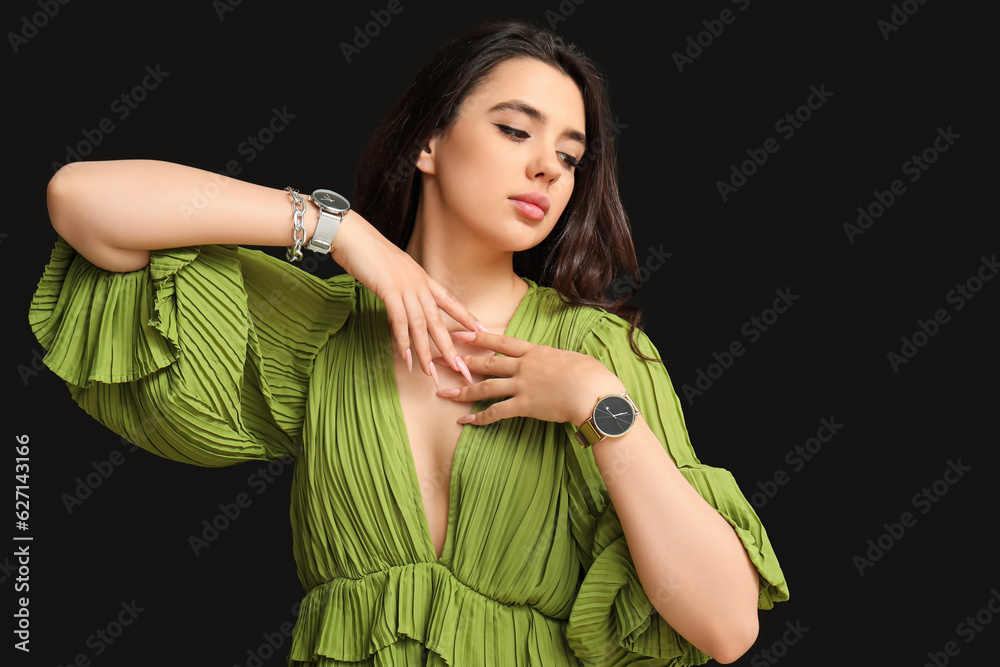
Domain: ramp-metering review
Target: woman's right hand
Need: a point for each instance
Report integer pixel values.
(413, 300)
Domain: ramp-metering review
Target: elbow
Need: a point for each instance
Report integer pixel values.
(733, 642)
(59, 195)
(78, 197)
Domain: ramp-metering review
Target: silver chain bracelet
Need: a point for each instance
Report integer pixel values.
(294, 253)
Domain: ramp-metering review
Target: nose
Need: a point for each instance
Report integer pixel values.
(545, 165)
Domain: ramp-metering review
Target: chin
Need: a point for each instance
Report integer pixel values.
(515, 234)
(528, 235)
(518, 244)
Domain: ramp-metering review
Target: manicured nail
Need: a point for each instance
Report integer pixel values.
(467, 419)
(448, 393)
(467, 336)
(481, 326)
(465, 369)
(409, 360)
(434, 375)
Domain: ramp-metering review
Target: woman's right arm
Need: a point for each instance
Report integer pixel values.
(115, 212)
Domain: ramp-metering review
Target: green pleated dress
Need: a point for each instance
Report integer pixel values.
(214, 355)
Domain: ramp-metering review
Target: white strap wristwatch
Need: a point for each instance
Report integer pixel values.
(332, 209)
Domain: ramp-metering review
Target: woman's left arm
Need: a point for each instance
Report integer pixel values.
(692, 565)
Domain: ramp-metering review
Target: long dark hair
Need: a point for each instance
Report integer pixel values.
(591, 244)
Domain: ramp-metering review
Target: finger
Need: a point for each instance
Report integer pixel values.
(496, 366)
(492, 365)
(512, 347)
(439, 334)
(396, 314)
(491, 388)
(494, 413)
(450, 304)
(417, 325)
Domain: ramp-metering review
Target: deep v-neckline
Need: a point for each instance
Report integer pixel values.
(461, 445)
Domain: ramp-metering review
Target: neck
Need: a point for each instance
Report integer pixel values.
(482, 278)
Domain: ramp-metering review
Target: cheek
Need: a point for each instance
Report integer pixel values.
(562, 192)
(465, 166)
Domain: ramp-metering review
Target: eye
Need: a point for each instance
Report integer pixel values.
(569, 160)
(521, 135)
(511, 132)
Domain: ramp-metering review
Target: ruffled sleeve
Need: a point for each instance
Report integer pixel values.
(613, 621)
(202, 357)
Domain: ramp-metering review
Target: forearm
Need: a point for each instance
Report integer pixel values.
(114, 212)
(692, 565)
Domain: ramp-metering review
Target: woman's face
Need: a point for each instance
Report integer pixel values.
(503, 170)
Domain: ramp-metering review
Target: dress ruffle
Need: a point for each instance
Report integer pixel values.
(353, 620)
(99, 326)
(203, 356)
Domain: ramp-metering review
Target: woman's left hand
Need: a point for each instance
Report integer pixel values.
(541, 382)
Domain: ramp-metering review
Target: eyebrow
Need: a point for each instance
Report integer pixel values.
(531, 112)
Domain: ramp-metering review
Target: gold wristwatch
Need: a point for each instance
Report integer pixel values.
(613, 417)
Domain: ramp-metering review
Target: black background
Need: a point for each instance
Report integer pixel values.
(826, 357)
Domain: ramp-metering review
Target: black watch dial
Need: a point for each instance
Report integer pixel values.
(331, 200)
(613, 416)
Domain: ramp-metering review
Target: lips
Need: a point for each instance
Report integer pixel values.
(532, 204)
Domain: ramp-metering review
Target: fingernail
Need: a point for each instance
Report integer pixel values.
(467, 419)
(448, 393)
(409, 360)
(434, 375)
(481, 326)
(463, 368)
(467, 336)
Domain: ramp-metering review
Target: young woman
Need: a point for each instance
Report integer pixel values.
(530, 495)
